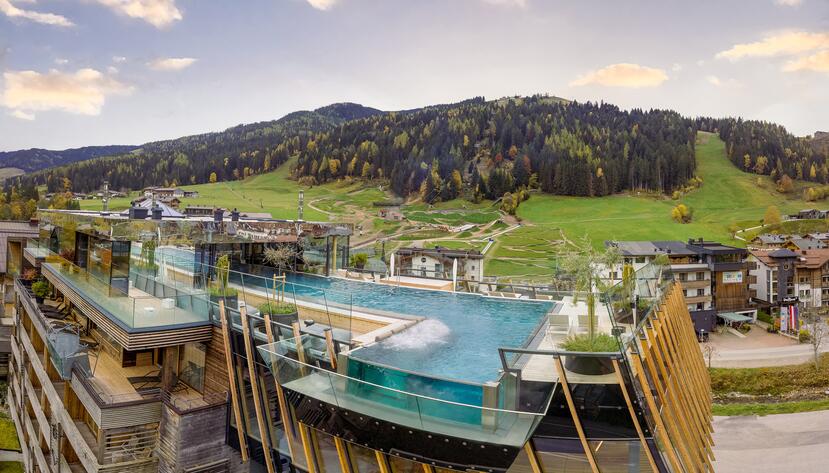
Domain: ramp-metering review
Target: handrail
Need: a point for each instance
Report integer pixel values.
(386, 388)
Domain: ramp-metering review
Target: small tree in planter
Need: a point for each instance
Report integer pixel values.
(41, 290)
(148, 264)
(282, 257)
(584, 267)
(220, 289)
(29, 276)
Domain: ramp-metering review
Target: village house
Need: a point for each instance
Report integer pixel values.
(714, 276)
(783, 276)
(437, 263)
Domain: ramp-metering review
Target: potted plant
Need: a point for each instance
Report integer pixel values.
(40, 289)
(584, 267)
(281, 312)
(359, 260)
(599, 343)
(219, 289)
(28, 276)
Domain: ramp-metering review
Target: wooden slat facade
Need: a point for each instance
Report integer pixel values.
(131, 340)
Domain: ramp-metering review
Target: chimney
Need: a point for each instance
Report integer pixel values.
(137, 213)
(218, 215)
(157, 212)
(234, 216)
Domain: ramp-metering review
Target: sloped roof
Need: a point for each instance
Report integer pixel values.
(166, 210)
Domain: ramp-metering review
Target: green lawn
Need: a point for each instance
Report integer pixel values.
(768, 408)
(11, 467)
(8, 435)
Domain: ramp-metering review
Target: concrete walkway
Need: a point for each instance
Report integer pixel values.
(760, 357)
(776, 443)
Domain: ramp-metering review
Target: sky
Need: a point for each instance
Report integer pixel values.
(96, 72)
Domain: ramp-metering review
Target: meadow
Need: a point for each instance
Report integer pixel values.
(727, 200)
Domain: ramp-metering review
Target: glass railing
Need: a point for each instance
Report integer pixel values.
(132, 307)
(481, 424)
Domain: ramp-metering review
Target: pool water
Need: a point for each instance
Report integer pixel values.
(458, 340)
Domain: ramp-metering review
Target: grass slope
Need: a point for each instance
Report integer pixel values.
(728, 196)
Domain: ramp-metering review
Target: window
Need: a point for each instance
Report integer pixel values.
(700, 292)
(640, 259)
(700, 306)
(803, 279)
(701, 276)
(683, 277)
(614, 275)
(191, 365)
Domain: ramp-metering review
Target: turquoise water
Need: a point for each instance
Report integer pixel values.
(458, 340)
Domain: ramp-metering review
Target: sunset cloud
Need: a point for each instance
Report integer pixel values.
(783, 44)
(83, 92)
(159, 13)
(623, 75)
(11, 11)
(171, 63)
(818, 62)
(717, 82)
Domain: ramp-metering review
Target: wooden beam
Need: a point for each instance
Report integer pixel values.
(633, 417)
(287, 424)
(588, 452)
(305, 437)
(329, 345)
(342, 455)
(382, 461)
(231, 373)
(264, 437)
(535, 464)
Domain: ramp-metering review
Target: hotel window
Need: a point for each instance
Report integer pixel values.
(640, 259)
(700, 276)
(803, 279)
(700, 292)
(683, 277)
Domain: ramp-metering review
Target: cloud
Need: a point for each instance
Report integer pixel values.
(83, 92)
(22, 115)
(11, 11)
(676, 67)
(112, 70)
(61, 61)
(717, 82)
(322, 4)
(818, 62)
(783, 44)
(788, 3)
(623, 75)
(159, 13)
(508, 3)
(119, 59)
(171, 63)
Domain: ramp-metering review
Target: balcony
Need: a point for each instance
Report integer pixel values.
(134, 318)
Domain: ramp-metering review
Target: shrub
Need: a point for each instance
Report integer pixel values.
(804, 336)
(359, 260)
(277, 308)
(764, 316)
(601, 342)
(40, 288)
(29, 275)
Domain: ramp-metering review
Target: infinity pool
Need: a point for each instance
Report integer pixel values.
(458, 340)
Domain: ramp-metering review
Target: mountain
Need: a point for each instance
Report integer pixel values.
(35, 159)
(230, 154)
(477, 147)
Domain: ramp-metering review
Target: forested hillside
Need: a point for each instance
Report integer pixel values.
(35, 159)
(769, 149)
(477, 147)
(567, 148)
(234, 153)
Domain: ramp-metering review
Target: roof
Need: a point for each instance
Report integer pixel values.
(768, 238)
(16, 226)
(807, 259)
(734, 317)
(166, 210)
(807, 243)
(441, 251)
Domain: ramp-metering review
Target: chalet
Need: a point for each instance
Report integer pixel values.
(782, 275)
(437, 263)
(714, 276)
(198, 211)
(810, 214)
(160, 192)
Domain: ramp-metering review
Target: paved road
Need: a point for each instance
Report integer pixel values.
(776, 443)
(774, 356)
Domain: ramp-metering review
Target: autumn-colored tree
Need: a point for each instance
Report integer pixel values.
(772, 216)
(785, 184)
(213, 177)
(681, 213)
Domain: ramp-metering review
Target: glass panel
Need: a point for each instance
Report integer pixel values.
(363, 459)
(401, 465)
(192, 365)
(327, 458)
